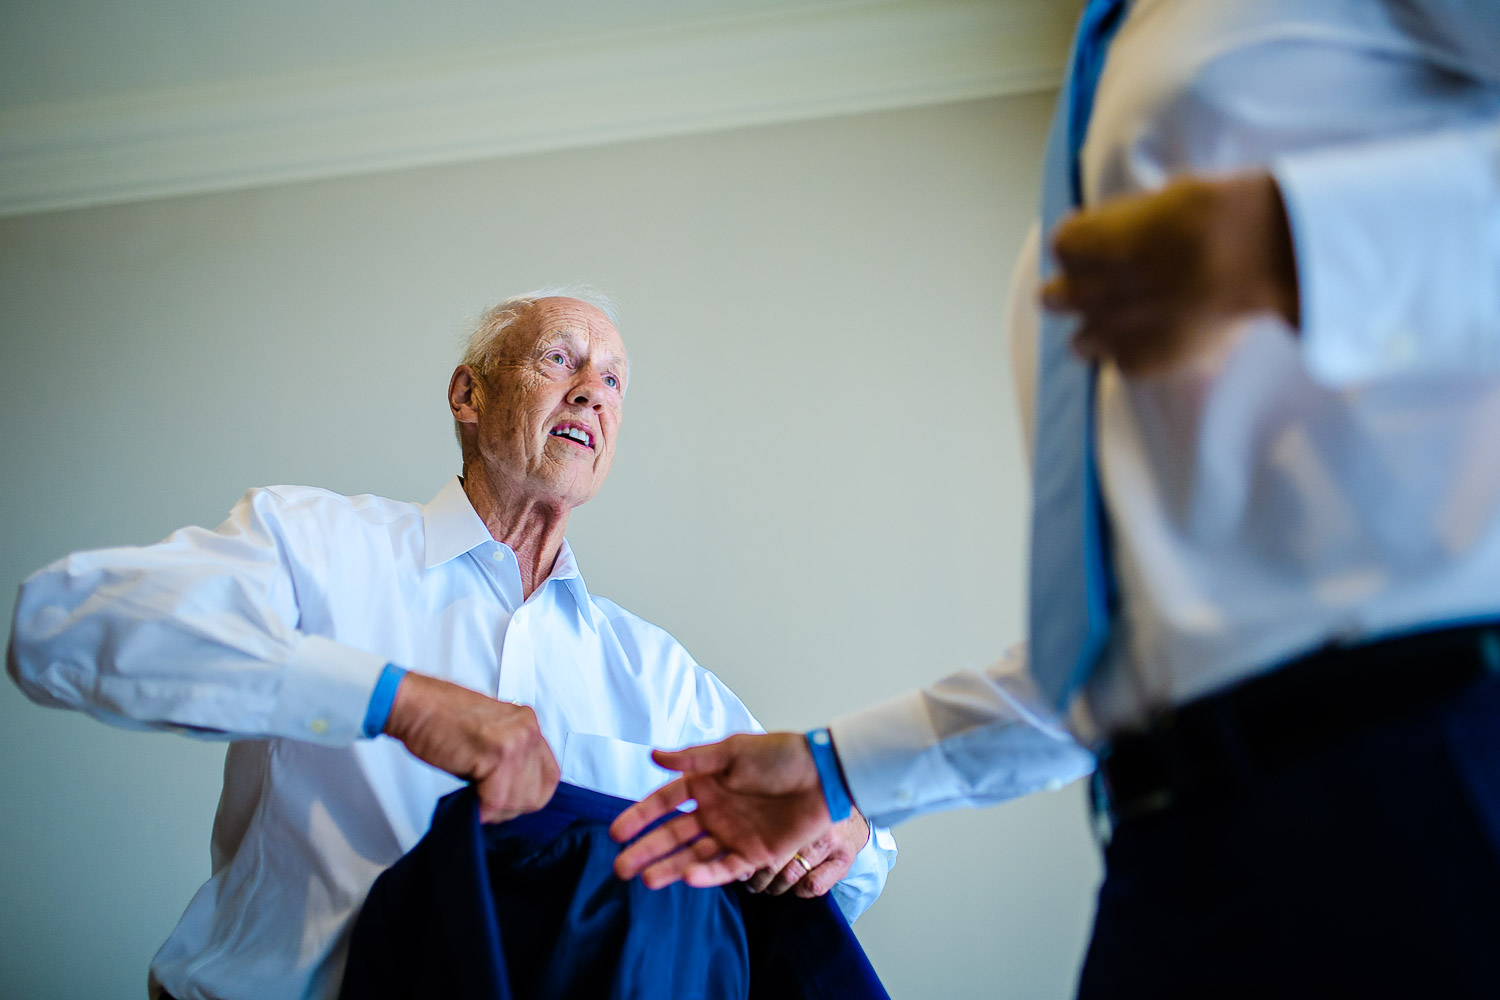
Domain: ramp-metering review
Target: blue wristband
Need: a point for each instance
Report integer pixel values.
(826, 760)
(382, 700)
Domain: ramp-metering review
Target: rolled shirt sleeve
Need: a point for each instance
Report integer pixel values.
(197, 633)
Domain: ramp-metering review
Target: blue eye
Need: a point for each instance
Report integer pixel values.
(611, 381)
(557, 357)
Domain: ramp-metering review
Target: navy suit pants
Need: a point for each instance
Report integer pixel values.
(532, 909)
(1370, 869)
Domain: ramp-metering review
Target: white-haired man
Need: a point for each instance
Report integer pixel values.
(309, 624)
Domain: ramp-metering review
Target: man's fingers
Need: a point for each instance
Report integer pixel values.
(1098, 292)
(659, 843)
(695, 760)
(721, 871)
(819, 880)
(504, 796)
(1068, 291)
(786, 878)
(1054, 294)
(653, 807)
(705, 850)
(1073, 239)
(800, 865)
(499, 808)
(761, 878)
(1139, 340)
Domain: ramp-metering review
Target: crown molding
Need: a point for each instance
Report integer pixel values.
(683, 78)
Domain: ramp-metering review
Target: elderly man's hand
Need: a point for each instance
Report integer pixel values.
(827, 860)
(759, 798)
(1156, 279)
(496, 746)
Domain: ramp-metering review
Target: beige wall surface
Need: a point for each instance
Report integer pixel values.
(820, 487)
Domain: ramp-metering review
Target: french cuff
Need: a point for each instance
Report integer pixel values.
(891, 757)
(325, 692)
(1392, 253)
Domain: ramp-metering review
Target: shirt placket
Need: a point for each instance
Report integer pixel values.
(517, 680)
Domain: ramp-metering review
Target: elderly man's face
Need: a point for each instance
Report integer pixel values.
(551, 404)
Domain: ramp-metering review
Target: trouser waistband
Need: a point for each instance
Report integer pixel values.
(1221, 741)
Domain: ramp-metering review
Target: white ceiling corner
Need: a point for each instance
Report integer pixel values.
(679, 78)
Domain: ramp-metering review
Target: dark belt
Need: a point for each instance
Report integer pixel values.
(1221, 742)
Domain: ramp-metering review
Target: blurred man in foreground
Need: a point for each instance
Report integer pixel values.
(1265, 582)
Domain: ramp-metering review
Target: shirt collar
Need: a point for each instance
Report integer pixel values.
(565, 571)
(452, 527)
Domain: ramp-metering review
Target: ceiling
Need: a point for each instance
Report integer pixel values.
(110, 102)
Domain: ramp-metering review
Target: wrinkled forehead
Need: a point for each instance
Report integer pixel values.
(582, 326)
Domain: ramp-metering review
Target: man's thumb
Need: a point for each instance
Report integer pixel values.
(695, 760)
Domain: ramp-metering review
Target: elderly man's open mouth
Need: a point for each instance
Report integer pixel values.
(574, 432)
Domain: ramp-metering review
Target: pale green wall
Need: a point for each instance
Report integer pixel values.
(820, 486)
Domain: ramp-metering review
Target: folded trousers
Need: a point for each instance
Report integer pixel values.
(531, 908)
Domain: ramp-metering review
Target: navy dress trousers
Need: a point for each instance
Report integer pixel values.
(531, 910)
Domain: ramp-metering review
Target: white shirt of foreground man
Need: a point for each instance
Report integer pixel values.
(272, 630)
(1291, 489)
(1339, 484)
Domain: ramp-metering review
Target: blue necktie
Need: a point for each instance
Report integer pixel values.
(1071, 584)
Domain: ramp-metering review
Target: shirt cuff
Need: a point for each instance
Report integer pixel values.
(898, 763)
(891, 756)
(826, 759)
(865, 880)
(1395, 255)
(325, 692)
(382, 700)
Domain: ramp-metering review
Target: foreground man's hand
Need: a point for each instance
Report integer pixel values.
(496, 746)
(759, 800)
(1156, 279)
(818, 866)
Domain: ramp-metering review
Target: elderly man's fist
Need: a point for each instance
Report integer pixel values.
(496, 746)
(1157, 279)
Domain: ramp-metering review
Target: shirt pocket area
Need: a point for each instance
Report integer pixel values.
(611, 765)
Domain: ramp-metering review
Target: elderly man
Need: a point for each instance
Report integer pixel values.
(291, 627)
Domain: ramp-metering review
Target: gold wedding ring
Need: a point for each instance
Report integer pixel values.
(806, 867)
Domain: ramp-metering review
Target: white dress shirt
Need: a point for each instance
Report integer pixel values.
(1340, 484)
(272, 630)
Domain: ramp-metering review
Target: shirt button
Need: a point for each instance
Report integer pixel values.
(319, 726)
(498, 555)
(1053, 784)
(903, 796)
